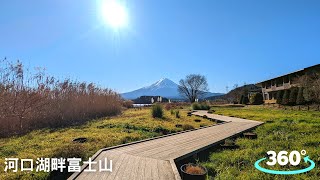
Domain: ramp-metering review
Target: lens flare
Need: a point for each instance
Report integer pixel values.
(114, 13)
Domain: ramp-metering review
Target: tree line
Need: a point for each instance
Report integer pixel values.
(307, 91)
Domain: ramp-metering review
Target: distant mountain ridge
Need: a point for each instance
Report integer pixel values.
(164, 87)
(236, 93)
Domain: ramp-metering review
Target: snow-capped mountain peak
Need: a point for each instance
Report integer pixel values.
(163, 83)
(163, 87)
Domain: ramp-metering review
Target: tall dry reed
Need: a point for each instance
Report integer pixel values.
(34, 100)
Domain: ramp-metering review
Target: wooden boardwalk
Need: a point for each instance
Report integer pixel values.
(155, 158)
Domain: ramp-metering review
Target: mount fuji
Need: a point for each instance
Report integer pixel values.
(164, 87)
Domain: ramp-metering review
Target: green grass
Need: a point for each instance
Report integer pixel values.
(132, 125)
(283, 130)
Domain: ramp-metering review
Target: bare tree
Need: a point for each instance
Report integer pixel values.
(194, 86)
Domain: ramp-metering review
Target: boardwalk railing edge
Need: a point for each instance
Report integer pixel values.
(175, 170)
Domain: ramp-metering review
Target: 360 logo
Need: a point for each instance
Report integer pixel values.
(283, 159)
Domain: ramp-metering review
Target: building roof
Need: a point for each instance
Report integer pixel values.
(317, 65)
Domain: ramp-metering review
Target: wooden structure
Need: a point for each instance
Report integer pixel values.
(155, 158)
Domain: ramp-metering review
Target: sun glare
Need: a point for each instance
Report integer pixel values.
(114, 13)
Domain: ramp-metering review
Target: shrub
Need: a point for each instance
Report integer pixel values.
(127, 104)
(202, 106)
(256, 99)
(172, 112)
(285, 98)
(157, 111)
(196, 106)
(205, 106)
(293, 96)
(177, 114)
(279, 97)
(187, 127)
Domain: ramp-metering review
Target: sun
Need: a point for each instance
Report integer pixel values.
(114, 13)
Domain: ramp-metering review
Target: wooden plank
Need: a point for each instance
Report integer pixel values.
(140, 173)
(148, 170)
(154, 158)
(154, 169)
(163, 173)
(194, 140)
(116, 171)
(125, 170)
(169, 144)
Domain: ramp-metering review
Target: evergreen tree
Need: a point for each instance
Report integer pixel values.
(245, 100)
(279, 97)
(252, 98)
(300, 98)
(293, 96)
(241, 99)
(285, 98)
(256, 99)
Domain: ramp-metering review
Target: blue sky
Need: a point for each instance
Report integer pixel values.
(228, 41)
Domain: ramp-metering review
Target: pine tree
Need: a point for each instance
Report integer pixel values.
(241, 99)
(259, 98)
(293, 96)
(256, 99)
(245, 100)
(285, 98)
(300, 98)
(279, 97)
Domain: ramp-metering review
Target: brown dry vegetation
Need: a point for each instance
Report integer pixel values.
(191, 169)
(32, 101)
